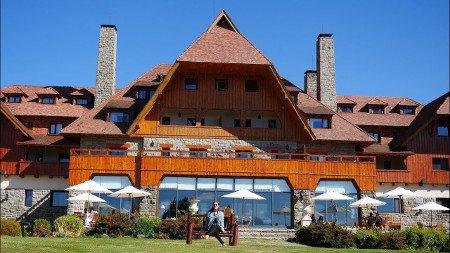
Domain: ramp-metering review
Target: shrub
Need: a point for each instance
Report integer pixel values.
(392, 240)
(113, 225)
(366, 239)
(174, 229)
(69, 225)
(434, 239)
(42, 228)
(446, 246)
(325, 235)
(148, 226)
(10, 227)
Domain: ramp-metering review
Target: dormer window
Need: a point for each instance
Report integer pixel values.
(48, 100)
(407, 110)
(376, 136)
(319, 122)
(81, 101)
(14, 99)
(376, 110)
(442, 130)
(55, 129)
(345, 108)
(119, 117)
(222, 84)
(145, 94)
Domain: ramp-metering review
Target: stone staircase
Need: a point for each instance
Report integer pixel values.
(266, 233)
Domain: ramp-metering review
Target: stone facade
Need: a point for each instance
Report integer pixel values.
(301, 200)
(106, 65)
(326, 72)
(147, 205)
(13, 206)
(311, 83)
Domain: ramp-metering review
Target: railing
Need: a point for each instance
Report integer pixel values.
(43, 168)
(222, 155)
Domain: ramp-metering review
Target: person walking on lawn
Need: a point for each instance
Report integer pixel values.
(215, 223)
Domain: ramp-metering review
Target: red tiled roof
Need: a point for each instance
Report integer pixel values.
(12, 90)
(389, 118)
(63, 106)
(408, 102)
(376, 101)
(15, 120)
(221, 45)
(346, 101)
(47, 91)
(439, 106)
(49, 140)
(94, 122)
(341, 129)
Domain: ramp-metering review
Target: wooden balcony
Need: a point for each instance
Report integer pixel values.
(148, 167)
(43, 168)
(393, 176)
(9, 168)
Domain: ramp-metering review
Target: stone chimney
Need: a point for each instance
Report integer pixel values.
(311, 83)
(326, 73)
(106, 64)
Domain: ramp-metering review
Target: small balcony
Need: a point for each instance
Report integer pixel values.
(43, 168)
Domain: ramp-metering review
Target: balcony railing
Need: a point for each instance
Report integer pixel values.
(222, 155)
(43, 168)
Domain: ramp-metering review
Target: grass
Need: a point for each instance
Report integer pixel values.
(99, 245)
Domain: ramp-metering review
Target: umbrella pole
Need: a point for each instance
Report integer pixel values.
(129, 211)
(243, 211)
(431, 225)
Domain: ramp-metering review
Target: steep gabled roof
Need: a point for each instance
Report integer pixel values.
(47, 91)
(439, 106)
(223, 43)
(8, 114)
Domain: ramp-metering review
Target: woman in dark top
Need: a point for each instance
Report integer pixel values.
(215, 222)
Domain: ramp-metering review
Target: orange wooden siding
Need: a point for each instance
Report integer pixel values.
(269, 98)
(149, 170)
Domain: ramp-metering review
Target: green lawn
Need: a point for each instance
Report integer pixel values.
(99, 245)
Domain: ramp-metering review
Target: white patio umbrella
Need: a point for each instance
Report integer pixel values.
(129, 192)
(283, 211)
(331, 195)
(431, 206)
(401, 193)
(367, 202)
(243, 194)
(89, 187)
(85, 197)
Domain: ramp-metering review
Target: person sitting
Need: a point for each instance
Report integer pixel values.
(215, 223)
(313, 219)
(370, 221)
(84, 217)
(320, 220)
(378, 221)
(227, 214)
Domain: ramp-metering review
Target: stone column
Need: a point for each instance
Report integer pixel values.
(326, 73)
(147, 205)
(310, 83)
(301, 200)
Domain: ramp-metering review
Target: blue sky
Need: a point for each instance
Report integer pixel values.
(383, 47)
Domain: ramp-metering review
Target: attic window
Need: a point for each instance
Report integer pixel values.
(81, 101)
(119, 117)
(48, 100)
(345, 108)
(251, 86)
(191, 84)
(55, 128)
(222, 84)
(442, 130)
(14, 99)
(319, 122)
(407, 110)
(376, 110)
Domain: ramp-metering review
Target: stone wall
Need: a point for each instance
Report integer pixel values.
(106, 65)
(13, 206)
(101, 142)
(326, 73)
(147, 205)
(302, 199)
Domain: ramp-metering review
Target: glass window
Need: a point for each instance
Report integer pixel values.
(14, 99)
(59, 198)
(376, 136)
(272, 123)
(39, 157)
(345, 108)
(28, 198)
(237, 123)
(392, 205)
(206, 183)
(248, 123)
(244, 154)
(197, 152)
(222, 85)
(48, 100)
(387, 165)
(225, 184)
(282, 202)
(63, 157)
(166, 153)
(263, 210)
(444, 202)
(442, 131)
(319, 123)
(143, 94)
(263, 185)
(191, 84)
(206, 199)
(280, 185)
(165, 121)
(119, 117)
(440, 164)
(407, 111)
(169, 183)
(117, 153)
(251, 86)
(191, 121)
(167, 207)
(377, 110)
(186, 183)
(81, 101)
(113, 182)
(243, 183)
(55, 128)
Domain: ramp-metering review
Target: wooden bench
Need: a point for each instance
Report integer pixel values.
(231, 231)
(393, 224)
